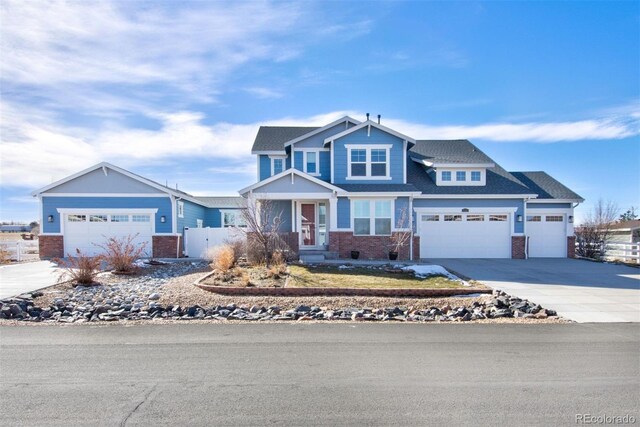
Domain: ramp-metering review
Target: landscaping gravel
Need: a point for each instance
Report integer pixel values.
(167, 292)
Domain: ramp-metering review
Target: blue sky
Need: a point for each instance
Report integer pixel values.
(176, 91)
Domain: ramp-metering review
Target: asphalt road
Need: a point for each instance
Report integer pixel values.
(318, 374)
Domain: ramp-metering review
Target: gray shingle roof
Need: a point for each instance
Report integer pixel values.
(272, 138)
(498, 181)
(545, 186)
(222, 202)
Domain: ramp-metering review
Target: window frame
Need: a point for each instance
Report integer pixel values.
(449, 176)
(237, 218)
(179, 208)
(463, 174)
(273, 165)
(372, 216)
(368, 148)
(471, 175)
(305, 155)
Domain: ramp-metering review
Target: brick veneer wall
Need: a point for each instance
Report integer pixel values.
(165, 246)
(517, 247)
(571, 246)
(370, 247)
(51, 247)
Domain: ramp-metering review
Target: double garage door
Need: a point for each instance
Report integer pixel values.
(87, 232)
(465, 235)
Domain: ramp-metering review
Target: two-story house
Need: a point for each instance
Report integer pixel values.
(347, 186)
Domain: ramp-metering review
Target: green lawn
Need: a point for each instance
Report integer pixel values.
(362, 277)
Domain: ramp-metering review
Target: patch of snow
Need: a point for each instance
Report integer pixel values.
(140, 263)
(425, 271)
(345, 267)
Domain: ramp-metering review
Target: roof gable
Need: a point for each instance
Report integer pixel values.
(289, 181)
(346, 120)
(271, 139)
(369, 123)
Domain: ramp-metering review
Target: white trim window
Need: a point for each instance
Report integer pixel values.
(476, 176)
(277, 166)
(311, 162)
(461, 176)
(445, 176)
(232, 218)
(180, 209)
(199, 223)
(372, 217)
(368, 162)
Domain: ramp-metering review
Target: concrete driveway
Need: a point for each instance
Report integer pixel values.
(17, 279)
(579, 290)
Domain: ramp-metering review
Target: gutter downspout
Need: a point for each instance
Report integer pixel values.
(176, 222)
(524, 229)
(411, 225)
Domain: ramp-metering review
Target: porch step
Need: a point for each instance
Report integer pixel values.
(310, 256)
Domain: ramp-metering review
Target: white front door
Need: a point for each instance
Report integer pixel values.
(87, 232)
(465, 235)
(547, 235)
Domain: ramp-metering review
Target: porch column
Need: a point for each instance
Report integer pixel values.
(333, 213)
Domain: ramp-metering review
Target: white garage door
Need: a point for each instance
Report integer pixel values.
(85, 231)
(465, 235)
(547, 236)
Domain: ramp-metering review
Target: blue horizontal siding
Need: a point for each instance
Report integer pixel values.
(283, 208)
(192, 212)
(212, 218)
(297, 160)
(475, 203)
(265, 166)
(51, 204)
(344, 212)
(325, 166)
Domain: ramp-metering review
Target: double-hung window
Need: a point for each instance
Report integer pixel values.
(311, 162)
(368, 162)
(278, 166)
(372, 217)
(359, 162)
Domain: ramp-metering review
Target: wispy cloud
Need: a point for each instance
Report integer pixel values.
(264, 92)
(34, 143)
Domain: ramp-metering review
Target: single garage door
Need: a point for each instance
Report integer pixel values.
(465, 235)
(547, 236)
(83, 231)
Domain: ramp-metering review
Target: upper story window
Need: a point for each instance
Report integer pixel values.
(446, 175)
(475, 176)
(461, 176)
(372, 217)
(311, 162)
(278, 166)
(180, 209)
(368, 161)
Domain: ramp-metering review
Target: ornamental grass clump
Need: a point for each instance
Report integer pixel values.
(223, 258)
(80, 269)
(120, 254)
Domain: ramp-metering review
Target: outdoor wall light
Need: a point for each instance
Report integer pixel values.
(570, 219)
(465, 210)
(50, 218)
(163, 218)
(519, 218)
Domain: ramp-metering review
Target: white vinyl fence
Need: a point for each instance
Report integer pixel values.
(197, 241)
(18, 250)
(628, 252)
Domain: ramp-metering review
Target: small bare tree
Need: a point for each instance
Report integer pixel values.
(594, 233)
(262, 230)
(401, 237)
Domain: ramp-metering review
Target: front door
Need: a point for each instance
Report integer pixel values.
(308, 224)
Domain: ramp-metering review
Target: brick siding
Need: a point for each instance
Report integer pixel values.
(571, 246)
(517, 247)
(370, 247)
(165, 246)
(51, 247)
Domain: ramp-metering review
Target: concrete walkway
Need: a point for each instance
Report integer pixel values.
(579, 290)
(17, 279)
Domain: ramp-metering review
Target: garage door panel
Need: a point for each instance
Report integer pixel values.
(87, 235)
(466, 239)
(547, 235)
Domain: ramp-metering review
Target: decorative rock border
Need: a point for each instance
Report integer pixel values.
(360, 292)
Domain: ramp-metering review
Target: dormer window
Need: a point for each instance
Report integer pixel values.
(446, 175)
(475, 176)
(461, 176)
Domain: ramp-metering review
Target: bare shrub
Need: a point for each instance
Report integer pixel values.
(593, 235)
(5, 256)
(80, 269)
(120, 254)
(223, 258)
(402, 236)
(262, 231)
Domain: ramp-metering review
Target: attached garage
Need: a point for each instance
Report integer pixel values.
(547, 234)
(86, 229)
(465, 235)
